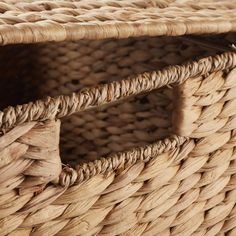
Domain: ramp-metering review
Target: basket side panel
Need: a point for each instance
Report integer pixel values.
(206, 105)
(181, 191)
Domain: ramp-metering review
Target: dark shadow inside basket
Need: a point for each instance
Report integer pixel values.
(116, 127)
(30, 72)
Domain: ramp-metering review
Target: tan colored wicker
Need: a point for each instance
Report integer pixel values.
(124, 129)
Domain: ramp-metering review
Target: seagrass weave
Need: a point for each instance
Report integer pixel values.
(118, 118)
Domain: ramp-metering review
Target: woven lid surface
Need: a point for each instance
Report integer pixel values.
(29, 21)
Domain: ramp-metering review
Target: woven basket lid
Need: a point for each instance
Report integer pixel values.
(29, 21)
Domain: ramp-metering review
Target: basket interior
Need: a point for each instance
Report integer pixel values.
(30, 72)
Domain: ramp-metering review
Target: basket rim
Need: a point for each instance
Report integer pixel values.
(36, 21)
(56, 108)
(119, 160)
(61, 106)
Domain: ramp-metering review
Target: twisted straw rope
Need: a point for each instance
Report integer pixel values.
(189, 189)
(119, 160)
(54, 108)
(61, 106)
(37, 21)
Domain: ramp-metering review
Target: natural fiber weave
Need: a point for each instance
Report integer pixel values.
(171, 187)
(54, 69)
(132, 136)
(30, 21)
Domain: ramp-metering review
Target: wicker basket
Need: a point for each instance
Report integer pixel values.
(148, 120)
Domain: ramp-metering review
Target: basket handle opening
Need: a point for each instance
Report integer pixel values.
(62, 106)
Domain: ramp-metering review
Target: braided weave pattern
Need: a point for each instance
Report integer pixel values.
(211, 101)
(62, 106)
(52, 69)
(180, 191)
(36, 21)
(171, 187)
(123, 166)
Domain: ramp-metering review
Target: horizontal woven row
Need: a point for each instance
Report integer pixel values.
(177, 186)
(36, 21)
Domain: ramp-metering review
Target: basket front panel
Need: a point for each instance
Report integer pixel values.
(181, 185)
(67, 67)
(177, 192)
